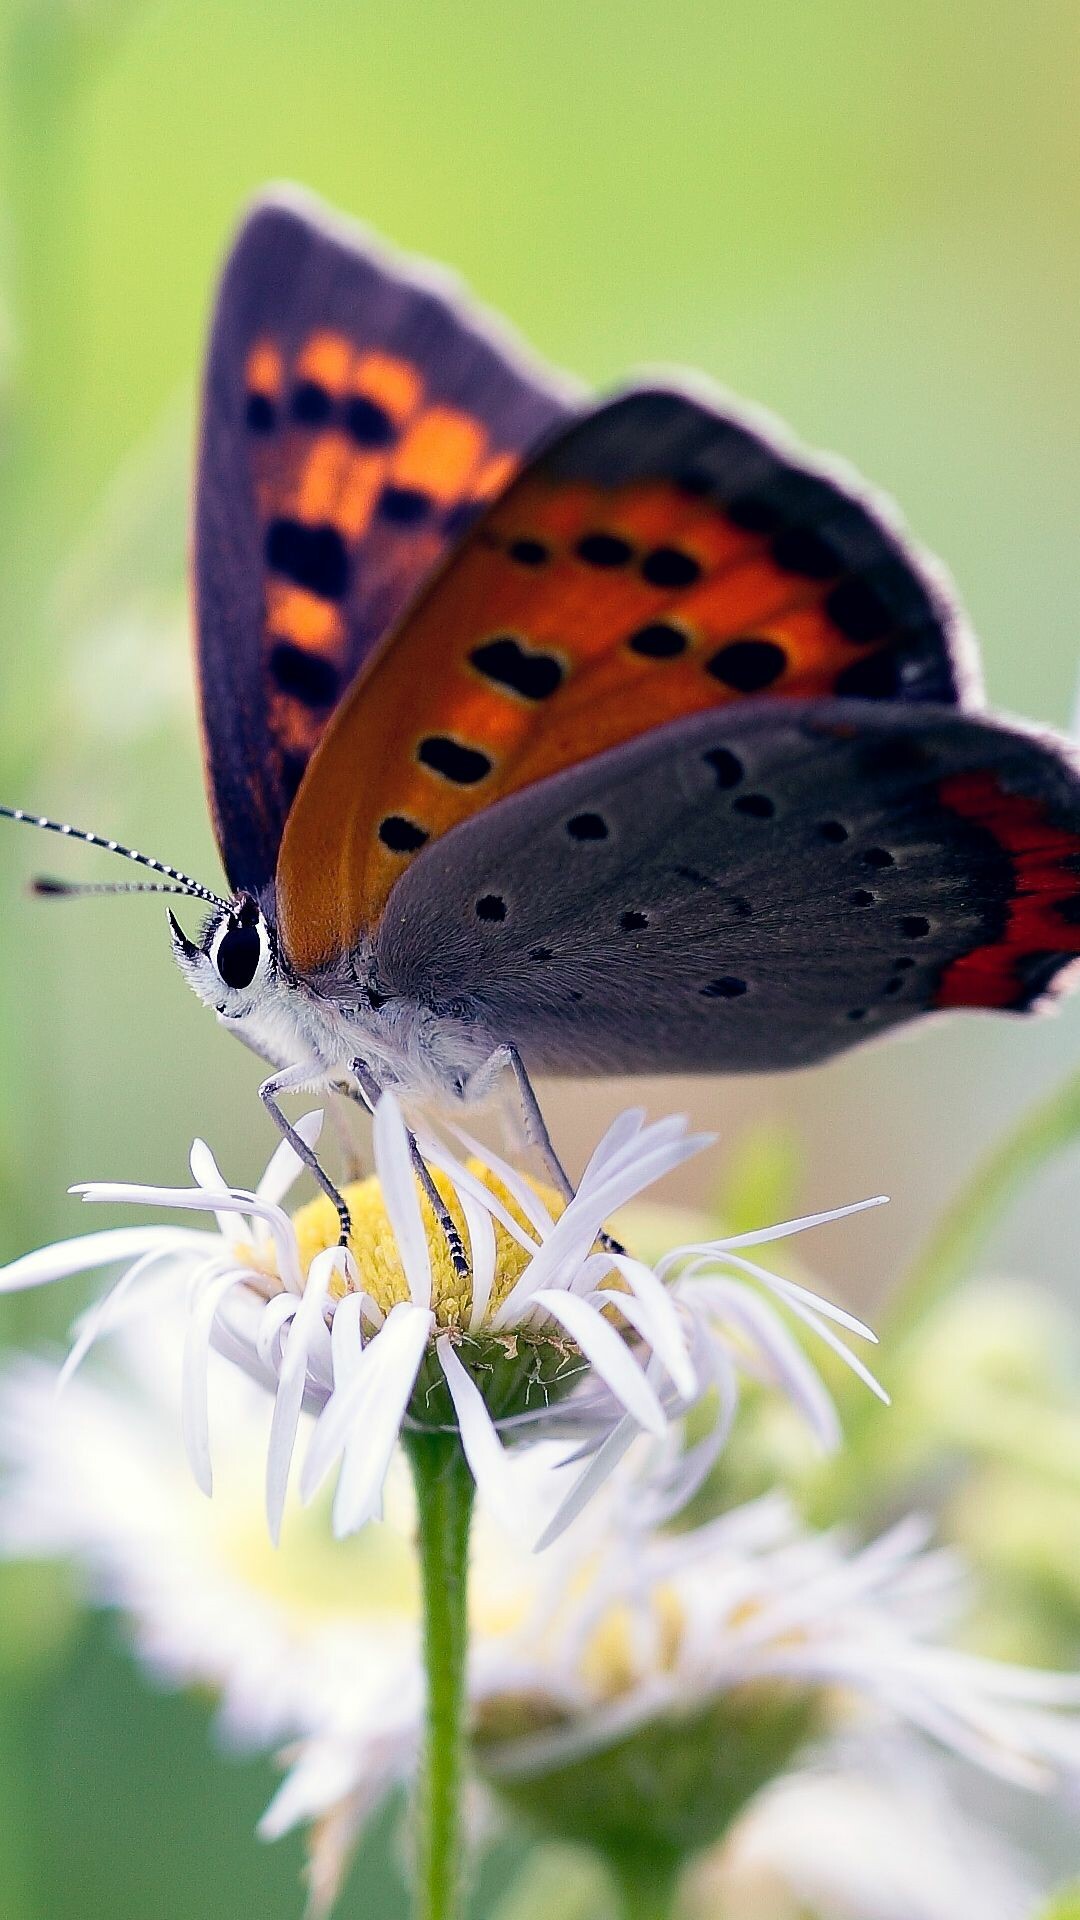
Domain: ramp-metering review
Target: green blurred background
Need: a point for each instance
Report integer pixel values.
(865, 217)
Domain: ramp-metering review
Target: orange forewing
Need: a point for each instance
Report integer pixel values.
(627, 595)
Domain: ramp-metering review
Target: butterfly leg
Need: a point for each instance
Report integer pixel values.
(459, 1259)
(295, 1080)
(536, 1130)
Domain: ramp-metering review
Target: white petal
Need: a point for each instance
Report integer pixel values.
(397, 1346)
(790, 1293)
(851, 1360)
(499, 1488)
(285, 1165)
(691, 1469)
(208, 1175)
(576, 1230)
(784, 1357)
(667, 1337)
(759, 1235)
(591, 1479)
(106, 1311)
(804, 1221)
(566, 1246)
(393, 1163)
(623, 1129)
(585, 1216)
(92, 1250)
(791, 1290)
(292, 1381)
(638, 1172)
(608, 1353)
(324, 1776)
(194, 1409)
(516, 1185)
(482, 1257)
(189, 1199)
(272, 1319)
(346, 1338)
(469, 1183)
(370, 1445)
(637, 1153)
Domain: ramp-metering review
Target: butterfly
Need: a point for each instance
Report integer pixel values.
(551, 736)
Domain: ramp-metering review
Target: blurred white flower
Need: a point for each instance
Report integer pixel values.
(617, 1630)
(655, 1624)
(549, 1335)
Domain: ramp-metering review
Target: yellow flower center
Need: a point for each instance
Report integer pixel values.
(375, 1250)
(612, 1657)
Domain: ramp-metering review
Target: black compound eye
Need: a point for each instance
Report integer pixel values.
(238, 955)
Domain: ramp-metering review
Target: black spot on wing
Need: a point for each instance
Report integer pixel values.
(463, 765)
(404, 506)
(491, 907)
(401, 835)
(533, 676)
(368, 424)
(304, 676)
(727, 768)
(260, 414)
(587, 826)
(529, 553)
(311, 404)
(310, 556)
(670, 567)
(748, 666)
(658, 641)
(604, 550)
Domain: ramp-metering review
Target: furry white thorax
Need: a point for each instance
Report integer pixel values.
(327, 1022)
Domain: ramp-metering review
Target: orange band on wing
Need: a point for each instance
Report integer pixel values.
(326, 358)
(264, 371)
(1046, 868)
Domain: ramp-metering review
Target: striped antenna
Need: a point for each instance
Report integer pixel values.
(182, 882)
(50, 888)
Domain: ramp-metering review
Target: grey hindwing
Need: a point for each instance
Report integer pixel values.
(738, 891)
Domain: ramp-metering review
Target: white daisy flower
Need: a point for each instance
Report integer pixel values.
(753, 1597)
(549, 1334)
(576, 1655)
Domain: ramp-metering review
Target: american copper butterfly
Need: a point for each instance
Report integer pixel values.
(557, 736)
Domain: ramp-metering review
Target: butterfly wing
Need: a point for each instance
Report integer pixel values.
(750, 890)
(660, 557)
(356, 415)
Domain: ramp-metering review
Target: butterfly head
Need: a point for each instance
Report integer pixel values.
(233, 967)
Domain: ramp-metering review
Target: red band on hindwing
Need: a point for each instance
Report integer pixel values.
(1046, 878)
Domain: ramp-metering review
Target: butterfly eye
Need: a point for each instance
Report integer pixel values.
(238, 955)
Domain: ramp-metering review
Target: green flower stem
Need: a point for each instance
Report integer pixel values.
(1044, 1131)
(647, 1882)
(444, 1498)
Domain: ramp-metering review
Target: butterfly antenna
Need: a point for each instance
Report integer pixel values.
(53, 889)
(181, 882)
